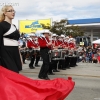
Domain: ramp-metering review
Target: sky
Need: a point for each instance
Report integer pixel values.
(54, 9)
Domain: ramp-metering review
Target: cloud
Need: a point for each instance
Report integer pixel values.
(55, 9)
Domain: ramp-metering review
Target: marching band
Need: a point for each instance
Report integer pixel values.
(57, 52)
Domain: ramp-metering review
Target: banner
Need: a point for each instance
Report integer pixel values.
(31, 26)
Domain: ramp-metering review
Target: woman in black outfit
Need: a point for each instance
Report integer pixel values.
(9, 35)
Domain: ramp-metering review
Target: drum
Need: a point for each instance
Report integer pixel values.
(76, 53)
(55, 54)
(70, 53)
(22, 52)
(28, 52)
(36, 52)
(63, 53)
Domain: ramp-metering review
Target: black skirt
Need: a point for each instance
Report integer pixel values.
(10, 58)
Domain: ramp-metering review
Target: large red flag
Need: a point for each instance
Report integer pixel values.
(14, 86)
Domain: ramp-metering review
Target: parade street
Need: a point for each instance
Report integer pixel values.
(85, 75)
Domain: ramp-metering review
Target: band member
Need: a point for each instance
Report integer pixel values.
(45, 46)
(22, 47)
(50, 71)
(61, 64)
(67, 59)
(71, 43)
(66, 42)
(60, 41)
(55, 46)
(73, 58)
(55, 41)
(9, 36)
(36, 49)
(25, 47)
(32, 45)
(37, 56)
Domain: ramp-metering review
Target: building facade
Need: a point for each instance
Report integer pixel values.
(91, 27)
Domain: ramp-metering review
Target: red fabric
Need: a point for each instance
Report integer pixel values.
(14, 86)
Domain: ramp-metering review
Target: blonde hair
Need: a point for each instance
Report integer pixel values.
(3, 10)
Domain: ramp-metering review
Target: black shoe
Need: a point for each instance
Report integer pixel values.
(68, 68)
(45, 78)
(31, 67)
(63, 68)
(59, 68)
(51, 74)
(72, 66)
(55, 70)
(36, 65)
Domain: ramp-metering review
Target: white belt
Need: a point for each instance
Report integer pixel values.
(10, 42)
(37, 49)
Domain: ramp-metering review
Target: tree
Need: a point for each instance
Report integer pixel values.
(61, 28)
(75, 31)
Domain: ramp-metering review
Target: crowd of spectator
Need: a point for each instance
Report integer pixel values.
(89, 54)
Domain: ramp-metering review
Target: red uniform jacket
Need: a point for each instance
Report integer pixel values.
(59, 42)
(35, 44)
(71, 45)
(31, 43)
(55, 42)
(43, 42)
(66, 44)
